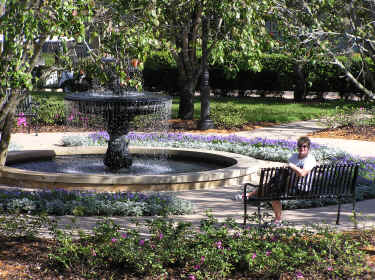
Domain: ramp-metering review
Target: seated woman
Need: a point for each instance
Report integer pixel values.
(301, 163)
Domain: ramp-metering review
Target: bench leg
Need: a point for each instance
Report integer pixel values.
(354, 215)
(244, 206)
(338, 212)
(259, 215)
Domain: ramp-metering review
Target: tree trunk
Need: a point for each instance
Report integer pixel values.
(8, 106)
(186, 106)
(300, 89)
(5, 137)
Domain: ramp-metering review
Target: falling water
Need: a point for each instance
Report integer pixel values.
(118, 113)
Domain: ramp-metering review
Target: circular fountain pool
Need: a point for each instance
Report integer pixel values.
(142, 165)
(215, 169)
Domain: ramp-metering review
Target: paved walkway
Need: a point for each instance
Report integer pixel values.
(220, 200)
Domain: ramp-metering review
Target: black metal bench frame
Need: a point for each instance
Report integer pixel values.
(25, 109)
(324, 181)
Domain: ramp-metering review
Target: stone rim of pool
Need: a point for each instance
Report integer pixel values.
(238, 172)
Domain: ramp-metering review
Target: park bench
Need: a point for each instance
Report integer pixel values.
(324, 181)
(26, 109)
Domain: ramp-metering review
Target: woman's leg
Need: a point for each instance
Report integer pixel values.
(277, 208)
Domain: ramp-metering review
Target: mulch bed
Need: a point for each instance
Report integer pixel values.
(350, 133)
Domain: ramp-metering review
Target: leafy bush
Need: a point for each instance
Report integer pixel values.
(59, 202)
(215, 251)
(227, 115)
(51, 110)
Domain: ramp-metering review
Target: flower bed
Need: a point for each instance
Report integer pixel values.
(61, 202)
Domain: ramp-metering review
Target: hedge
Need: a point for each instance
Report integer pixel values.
(160, 73)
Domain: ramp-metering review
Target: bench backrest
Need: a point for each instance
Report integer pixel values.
(322, 181)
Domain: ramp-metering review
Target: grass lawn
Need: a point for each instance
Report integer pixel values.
(235, 111)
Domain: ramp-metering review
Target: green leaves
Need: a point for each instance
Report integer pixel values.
(25, 24)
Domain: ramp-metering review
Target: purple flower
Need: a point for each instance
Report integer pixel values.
(124, 235)
(161, 236)
(141, 242)
(197, 266)
(268, 253)
(114, 240)
(299, 275)
(219, 245)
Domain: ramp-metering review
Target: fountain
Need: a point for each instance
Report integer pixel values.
(115, 112)
(119, 111)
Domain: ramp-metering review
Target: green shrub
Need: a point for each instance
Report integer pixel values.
(51, 109)
(215, 251)
(228, 115)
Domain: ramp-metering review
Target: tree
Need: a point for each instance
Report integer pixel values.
(235, 30)
(25, 26)
(333, 29)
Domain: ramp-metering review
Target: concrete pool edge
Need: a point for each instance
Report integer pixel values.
(238, 173)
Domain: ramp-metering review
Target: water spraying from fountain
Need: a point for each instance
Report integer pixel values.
(118, 110)
(118, 113)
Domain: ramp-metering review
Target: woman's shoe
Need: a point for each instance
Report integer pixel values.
(277, 223)
(240, 197)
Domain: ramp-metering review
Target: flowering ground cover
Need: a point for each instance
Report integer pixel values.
(179, 251)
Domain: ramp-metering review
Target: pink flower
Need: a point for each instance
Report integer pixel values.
(124, 235)
(161, 236)
(197, 266)
(219, 245)
(202, 259)
(114, 240)
(268, 253)
(191, 277)
(330, 268)
(93, 253)
(71, 117)
(21, 120)
(254, 256)
(141, 242)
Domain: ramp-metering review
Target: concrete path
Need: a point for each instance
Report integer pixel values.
(220, 200)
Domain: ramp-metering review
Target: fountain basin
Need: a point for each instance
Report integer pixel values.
(238, 171)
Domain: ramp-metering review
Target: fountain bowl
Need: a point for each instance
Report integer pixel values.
(238, 170)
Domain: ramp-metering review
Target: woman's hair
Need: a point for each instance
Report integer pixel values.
(304, 140)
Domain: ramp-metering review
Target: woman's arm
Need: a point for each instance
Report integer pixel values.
(299, 171)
